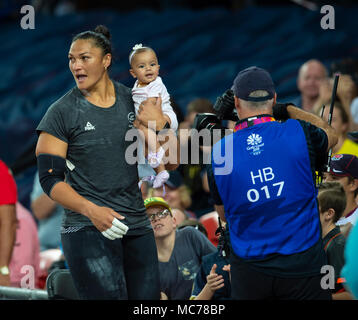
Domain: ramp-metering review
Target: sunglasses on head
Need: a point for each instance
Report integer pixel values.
(159, 215)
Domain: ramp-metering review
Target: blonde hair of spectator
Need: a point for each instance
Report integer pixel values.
(184, 195)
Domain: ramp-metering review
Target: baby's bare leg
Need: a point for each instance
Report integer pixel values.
(154, 154)
(152, 148)
(156, 162)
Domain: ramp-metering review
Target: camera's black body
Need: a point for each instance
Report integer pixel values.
(224, 110)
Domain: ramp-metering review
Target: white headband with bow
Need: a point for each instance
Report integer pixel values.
(134, 49)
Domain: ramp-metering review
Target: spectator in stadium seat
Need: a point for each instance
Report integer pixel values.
(344, 169)
(194, 173)
(176, 194)
(49, 215)
(179, 215)
(340, 122)
(194, 224)
(8, 199)
(347, 89)
(25, 262)
(310, 76)
(212, 282)
(332, 202)
(195, 106)
(180, 252)
(19, 244)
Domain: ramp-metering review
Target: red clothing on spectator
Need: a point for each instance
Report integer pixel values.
(8, 191)
(26, 252)
(25, 261)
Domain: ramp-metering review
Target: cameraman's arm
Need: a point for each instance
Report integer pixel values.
(221, 211)
(299, 114)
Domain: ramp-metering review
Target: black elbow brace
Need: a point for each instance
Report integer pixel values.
(51, 170)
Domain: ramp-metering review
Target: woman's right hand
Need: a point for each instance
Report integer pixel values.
(107, 221)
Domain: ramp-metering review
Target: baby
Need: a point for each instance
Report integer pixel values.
(145, 68)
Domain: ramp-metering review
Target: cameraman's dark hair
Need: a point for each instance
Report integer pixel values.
(100, 36)
(332, 196)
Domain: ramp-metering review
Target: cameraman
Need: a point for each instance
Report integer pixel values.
(266, 191)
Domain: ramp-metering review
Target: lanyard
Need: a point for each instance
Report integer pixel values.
(253, 121)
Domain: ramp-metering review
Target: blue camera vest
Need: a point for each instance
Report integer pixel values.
(263, 175)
